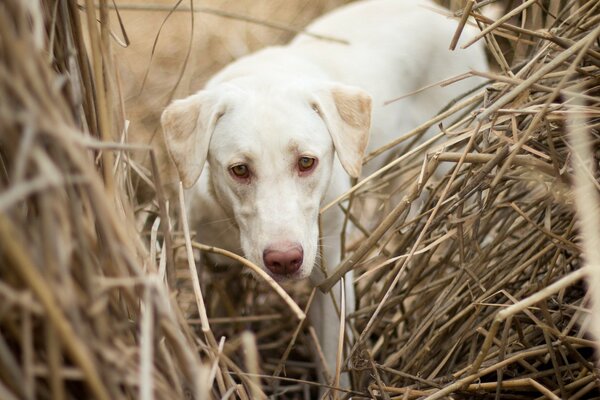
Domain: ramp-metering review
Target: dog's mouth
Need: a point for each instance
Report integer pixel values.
(286, 277)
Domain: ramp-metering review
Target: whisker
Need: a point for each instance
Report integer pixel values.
(336, 236)
(328, 245)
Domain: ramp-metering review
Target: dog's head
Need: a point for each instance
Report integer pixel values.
(271, 153)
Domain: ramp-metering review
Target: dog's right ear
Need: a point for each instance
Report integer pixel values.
(188, 125)
(346, 111)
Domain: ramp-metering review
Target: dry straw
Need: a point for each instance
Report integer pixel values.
(480, 292)
(85, 310)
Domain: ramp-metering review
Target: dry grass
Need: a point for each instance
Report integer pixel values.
(480, 294)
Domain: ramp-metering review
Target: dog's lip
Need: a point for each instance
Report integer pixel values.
(286, 277)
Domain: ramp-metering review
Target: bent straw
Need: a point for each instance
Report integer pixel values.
(258, 271)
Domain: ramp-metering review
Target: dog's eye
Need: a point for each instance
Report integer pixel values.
(306, 164)
(240, 171)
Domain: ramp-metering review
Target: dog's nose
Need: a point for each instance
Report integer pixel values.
(283, 258)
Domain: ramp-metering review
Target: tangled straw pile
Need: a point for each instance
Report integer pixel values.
(478, 293)
(481, 292)
(84, 311)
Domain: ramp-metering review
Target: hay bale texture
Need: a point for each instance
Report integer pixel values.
(480, 291)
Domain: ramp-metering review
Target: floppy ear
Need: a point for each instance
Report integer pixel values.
(346, 111)
(188, 125)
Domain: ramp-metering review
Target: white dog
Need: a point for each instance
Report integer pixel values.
(274, 135)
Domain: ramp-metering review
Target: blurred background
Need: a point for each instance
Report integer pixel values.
(164, 52)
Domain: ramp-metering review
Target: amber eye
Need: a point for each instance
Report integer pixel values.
(240, 171)
(306, 163)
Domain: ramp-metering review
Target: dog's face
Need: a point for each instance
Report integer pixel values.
(271, 152)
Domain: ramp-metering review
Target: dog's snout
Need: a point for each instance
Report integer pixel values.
(283, 258)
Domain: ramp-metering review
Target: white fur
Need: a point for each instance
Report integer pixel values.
(311, 97)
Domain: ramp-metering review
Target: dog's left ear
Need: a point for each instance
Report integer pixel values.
(346, 111)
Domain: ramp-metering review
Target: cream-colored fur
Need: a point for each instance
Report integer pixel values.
(316, 99)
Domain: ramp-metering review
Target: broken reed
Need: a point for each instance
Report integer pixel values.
(485, 285)
(481, 292)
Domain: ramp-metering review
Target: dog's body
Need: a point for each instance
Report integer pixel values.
(281, 130)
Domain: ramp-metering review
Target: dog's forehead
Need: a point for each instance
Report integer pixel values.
(276, 121)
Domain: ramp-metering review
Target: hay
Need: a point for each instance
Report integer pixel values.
(480, 293)
(85, 313)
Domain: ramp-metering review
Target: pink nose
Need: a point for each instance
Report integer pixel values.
(283, 258)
